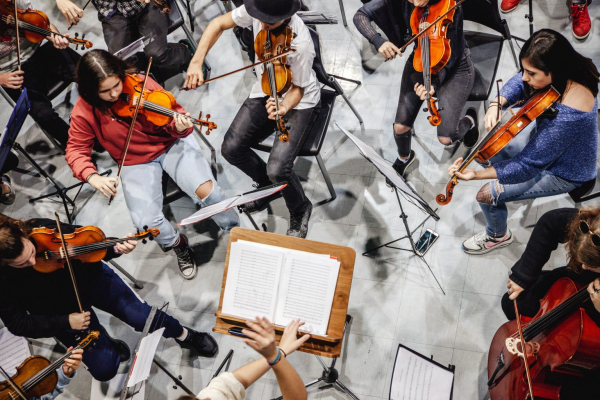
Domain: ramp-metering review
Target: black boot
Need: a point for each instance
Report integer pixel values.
(401, 166)
(299, 222)
(202, 342)
(472, 136)
(185, 258)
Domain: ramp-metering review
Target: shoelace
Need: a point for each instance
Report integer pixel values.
(185, 260)
(577, 10)
(480, 238)
(296, 221)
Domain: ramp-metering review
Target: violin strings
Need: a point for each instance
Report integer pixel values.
(44, 373)
(85, 248)
(34, 28)
(163, 110)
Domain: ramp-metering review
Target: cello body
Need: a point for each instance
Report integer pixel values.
(570, 346)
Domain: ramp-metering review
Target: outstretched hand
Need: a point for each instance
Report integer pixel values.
(466, 174)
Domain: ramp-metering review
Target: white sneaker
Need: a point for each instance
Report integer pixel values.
(482, 243)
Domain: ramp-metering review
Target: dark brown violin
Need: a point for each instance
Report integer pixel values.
(277, 76)
(87, 244)
(36, 376)
(34, 24)
(502, 134)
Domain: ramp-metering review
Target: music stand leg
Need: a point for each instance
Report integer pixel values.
(173, 378)
(343, 13)
(136, 283)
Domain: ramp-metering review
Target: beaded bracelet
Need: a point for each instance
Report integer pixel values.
(271, 364)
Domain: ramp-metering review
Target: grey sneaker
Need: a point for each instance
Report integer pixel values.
(9, 197)
(482, 243)
(185, 258)
(299, 222)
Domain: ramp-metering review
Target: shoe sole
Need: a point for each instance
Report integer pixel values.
(582, 37)
(189, 278)
(487, 250)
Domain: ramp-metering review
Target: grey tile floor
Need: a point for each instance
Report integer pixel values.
(394, 298)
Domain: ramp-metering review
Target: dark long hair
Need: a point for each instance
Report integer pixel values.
(579, 245)
(552, 53)
(12, 233)
(93, 68)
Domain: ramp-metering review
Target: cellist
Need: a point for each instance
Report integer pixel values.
(579, 232)
(555, 157)
(452, 84)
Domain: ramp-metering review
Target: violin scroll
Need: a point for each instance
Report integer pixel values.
(88, 339)
(284, 135)
(442, 199)
(435, 118)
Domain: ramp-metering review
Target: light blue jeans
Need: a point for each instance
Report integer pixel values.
(543, 185)
(185, 164)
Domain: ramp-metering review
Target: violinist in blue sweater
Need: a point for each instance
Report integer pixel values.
(555, 157)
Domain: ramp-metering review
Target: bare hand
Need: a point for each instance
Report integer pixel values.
(12, 80)
(182, 123)
(422, 92)
(128, 246)
(514, 290)
(60, 42)
(263, 338)
(491, 116)
(271, 108)
(594, 291)
(79, 321)
(73, 362)
(289, 340)
(70, 11)
(389, 51)
(467, 174)
(144, 1)
(194, 76)
(106, 185)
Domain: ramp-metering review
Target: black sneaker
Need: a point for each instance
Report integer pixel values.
(202, 342)
(120, 347)
(9, 197)
(261, 204)
(185, 258)
(190, 46)
(472, 136)
(400, 166)
(299, 222)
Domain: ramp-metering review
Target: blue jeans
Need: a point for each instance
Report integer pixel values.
(543, 185)
(113, 296)
(185, 164)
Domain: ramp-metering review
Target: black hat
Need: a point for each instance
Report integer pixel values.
(272, 11)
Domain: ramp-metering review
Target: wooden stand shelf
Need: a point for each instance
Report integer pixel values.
(327, 346)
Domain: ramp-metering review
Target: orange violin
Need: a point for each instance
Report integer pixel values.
(157, 105)
(87, 244)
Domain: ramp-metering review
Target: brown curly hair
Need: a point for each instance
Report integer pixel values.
(579, 245)
(12, 233)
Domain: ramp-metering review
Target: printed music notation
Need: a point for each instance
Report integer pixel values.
(13, 351)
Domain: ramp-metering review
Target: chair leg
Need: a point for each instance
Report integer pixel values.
(213, 152)
(327, 180)
(343, 13)
(509, 37)
(340, 91)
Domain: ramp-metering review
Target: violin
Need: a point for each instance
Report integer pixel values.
(539, 103)
(36, 376)
(277, 75)
(157, 105)
(87, 244)
(561, 340)
(35, 24)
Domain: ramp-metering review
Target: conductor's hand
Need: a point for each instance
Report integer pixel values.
(271, 108)
(128, 246)
(491, 116)
(79, 321)
(194, 77)
(70, 11)
(389, 51)
(12, 80)
(182, 123)
(594, 291)
(466, 174)
(289, 340)
(262, 338)
(514, 290)
(73, 362)
(106, 185)
(422, 92)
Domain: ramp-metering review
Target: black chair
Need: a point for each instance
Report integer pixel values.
(584, 192)
(316, 137)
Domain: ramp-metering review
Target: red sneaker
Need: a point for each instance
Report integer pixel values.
(508, 5)
(581, 20)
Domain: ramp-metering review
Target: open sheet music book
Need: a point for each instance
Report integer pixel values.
(280, 284)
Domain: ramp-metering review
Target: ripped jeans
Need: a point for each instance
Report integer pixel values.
(543, 185)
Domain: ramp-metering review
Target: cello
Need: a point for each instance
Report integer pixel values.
(560, 340)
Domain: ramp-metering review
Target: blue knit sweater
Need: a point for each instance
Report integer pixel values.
(565, 146)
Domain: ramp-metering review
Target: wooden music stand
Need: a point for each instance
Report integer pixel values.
(327, 346)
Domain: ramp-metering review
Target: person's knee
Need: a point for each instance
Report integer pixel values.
(104, 367)
(230, 148)
(400, 129)
(205, 189)
(445, 140)
(485, 195)
(278, 172)
(158, 54)
(42, 111)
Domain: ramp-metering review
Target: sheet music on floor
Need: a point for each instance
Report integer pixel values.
(13, 351)
(280, 284)
(418, 377)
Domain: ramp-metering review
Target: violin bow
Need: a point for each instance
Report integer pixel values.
(524, 347)
(415, 37)
(82, 10)
(66, 254)
(16, 16)
(246, 67)
(135, 114)
(14, 385)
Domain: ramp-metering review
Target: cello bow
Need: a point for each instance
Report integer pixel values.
(524, 349)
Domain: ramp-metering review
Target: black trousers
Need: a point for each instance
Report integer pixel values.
(43, 70)
(168, 58)
(250, 126)
(12, 162)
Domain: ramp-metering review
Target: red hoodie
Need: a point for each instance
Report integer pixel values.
(148, 141)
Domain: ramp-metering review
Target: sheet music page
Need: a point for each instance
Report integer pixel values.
(252, 280)
(418, 378)
(143, 358)
(307, 287)
(247, 198)
(13, 351)
(209, 211)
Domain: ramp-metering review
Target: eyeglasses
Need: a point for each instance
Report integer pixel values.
(585, 228)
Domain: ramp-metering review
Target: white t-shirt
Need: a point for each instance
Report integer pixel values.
(300, 61)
